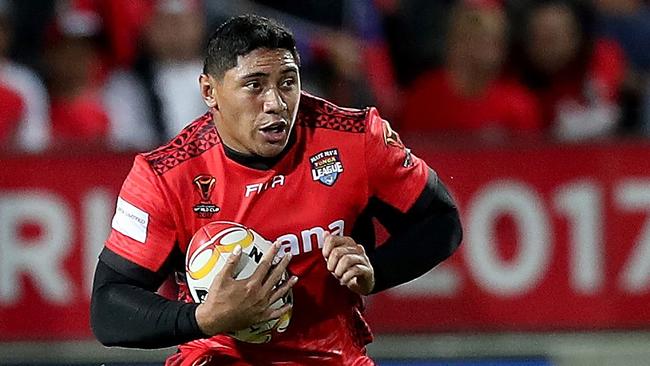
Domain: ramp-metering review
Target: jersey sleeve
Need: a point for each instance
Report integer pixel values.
(395, 175)
(143, 229)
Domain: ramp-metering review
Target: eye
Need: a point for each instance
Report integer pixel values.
(288, 82)
(253, 85)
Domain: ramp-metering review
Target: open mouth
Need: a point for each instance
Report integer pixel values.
(275, 127)
(275, 132)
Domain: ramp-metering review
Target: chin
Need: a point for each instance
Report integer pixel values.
(271, 151)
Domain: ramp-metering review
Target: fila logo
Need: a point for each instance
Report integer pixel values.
(276, 181)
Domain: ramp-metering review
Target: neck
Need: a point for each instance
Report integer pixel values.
(256, 161)
(247, 159)
(253, 161)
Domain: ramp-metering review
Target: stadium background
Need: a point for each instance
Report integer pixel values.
(555, 264)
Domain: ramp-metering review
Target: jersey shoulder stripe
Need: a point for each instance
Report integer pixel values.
(195, 139)
(315, 112)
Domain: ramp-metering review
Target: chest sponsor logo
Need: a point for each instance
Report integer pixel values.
(298, 242)
(309, 239)
(326, 166)
(204, 185)
(256, 188)
(391, 138)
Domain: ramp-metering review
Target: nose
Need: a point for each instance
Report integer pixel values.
(273, 102)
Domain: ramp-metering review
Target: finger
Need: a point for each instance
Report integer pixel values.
(276, 274)
(277, 313)
(348, 256)
(228, 270)
(354, 285)
(358, 270)
(265, 263)
(337, 253)
(330, 242)
(345, 262)
(326, 245)
(282, 290)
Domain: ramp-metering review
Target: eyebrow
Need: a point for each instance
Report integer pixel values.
(265, 74)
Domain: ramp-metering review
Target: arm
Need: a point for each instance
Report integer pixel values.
(421, 238)
(125, 310)
(408, 198)
(138, 257)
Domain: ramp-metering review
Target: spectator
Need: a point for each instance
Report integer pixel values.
(159, 96)
(415, 32)
(343, 52)
(469, 94)
(24, 101)
(576, 76)
(78, 116)
(628, 22)
(123, 22)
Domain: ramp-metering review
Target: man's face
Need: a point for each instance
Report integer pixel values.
(256, 102)
(553, 38)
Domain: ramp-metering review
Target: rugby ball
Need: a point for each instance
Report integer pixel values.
(208, 253)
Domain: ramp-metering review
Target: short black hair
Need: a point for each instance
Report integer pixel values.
(241, 35)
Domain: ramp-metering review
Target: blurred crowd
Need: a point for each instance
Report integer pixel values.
(122, 74)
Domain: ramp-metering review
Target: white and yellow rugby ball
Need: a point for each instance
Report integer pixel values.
(206, 256)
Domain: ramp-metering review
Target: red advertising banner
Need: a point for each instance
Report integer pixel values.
(55, 213)
(556, 238)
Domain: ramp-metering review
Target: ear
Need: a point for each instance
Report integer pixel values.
(207, 83)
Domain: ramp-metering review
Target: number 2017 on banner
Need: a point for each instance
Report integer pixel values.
(583, 204)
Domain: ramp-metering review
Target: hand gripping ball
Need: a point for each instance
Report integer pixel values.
(207, 254)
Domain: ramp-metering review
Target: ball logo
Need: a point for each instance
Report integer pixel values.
(205, 257)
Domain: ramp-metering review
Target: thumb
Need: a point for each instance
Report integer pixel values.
(229, 268)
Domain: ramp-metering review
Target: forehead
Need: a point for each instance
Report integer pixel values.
(554, 15)
(264, 60)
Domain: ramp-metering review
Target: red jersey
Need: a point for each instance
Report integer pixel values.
(600, 82)
(434, 106)
(82, 118)
(339, 159)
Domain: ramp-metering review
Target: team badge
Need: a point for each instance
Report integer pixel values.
(326, 166)
(204, 185)
(391, 138)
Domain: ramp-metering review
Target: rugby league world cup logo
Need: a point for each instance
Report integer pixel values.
(204, 185)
